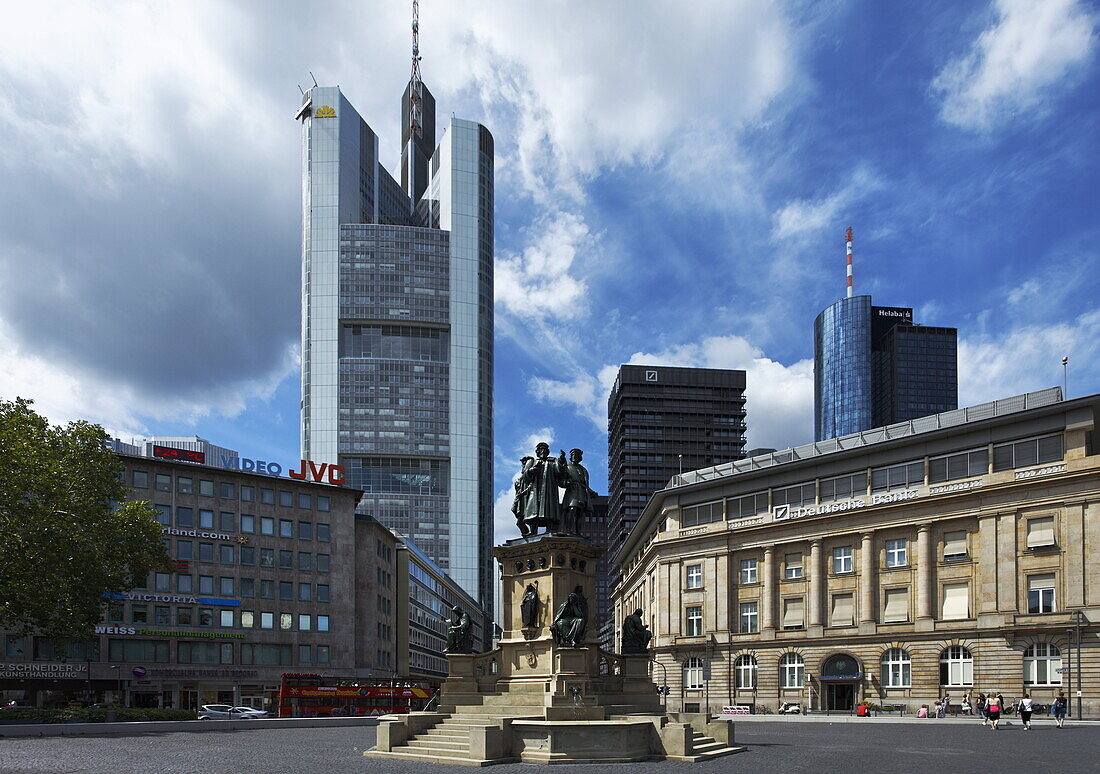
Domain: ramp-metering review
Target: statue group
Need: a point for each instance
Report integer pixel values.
(537, 504)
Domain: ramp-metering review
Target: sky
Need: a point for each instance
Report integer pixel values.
(673, 181)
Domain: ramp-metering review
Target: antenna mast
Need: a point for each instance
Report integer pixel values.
(416, 85)
(848, 239)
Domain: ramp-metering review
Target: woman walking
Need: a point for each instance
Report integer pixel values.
(982, 709)
(1059, 709)
(1025, 711)
(993, 706)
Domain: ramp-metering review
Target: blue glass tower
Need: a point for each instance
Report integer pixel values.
(397, 324)
(842, 368)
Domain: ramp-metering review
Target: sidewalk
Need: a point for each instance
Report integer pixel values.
(960, 720)
(133, 728)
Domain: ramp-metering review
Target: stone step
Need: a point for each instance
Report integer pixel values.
(436, 744)
(718, 753)
(458, 733)
(414, 754)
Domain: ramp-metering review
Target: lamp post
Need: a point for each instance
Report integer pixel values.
(1077, 616)
(1065, 378)
(118, 678)
(664, 685)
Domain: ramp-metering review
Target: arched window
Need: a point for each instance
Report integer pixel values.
(1041, 664)
(745, 666)
(956, 666)
(792, 671)
(693, 673)
(897, 668)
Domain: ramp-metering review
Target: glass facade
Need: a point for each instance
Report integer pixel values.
(842, 368)
(397, 327)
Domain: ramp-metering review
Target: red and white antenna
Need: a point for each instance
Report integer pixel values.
(848, 247)
(416, 85)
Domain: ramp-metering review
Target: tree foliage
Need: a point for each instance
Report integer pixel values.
(67, 539)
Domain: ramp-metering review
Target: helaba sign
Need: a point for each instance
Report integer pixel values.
(308, 469)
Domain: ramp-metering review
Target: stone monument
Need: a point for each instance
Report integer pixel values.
(548, 693)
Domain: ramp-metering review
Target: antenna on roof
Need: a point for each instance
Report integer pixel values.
(848, 247)
(314, 77)
(416, 85)
(301, 90)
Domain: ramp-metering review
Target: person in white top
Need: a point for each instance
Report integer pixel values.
(1025, 711)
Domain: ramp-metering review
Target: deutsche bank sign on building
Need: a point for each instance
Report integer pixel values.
(787, 512)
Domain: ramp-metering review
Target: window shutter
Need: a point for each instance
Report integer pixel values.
(954, 543)
(1040, 532)
(843, 612)
(792, 613)
(897, 605)
(1036, 582)
(956, 601)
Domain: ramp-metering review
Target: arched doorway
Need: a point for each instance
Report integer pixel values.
(840, 678)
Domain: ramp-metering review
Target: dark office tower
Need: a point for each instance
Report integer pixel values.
(874, 367)
(594, 530)
(397, 325)
(661, 420)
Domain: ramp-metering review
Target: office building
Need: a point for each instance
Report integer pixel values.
(397, 323)
(943, 555)
(662, 420)
(874, 367)
(594, 530)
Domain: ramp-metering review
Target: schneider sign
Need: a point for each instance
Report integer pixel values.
(48, 670)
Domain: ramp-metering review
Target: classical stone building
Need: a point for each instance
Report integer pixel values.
(942, 555)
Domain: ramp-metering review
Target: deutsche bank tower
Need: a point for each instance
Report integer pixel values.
(397, 323)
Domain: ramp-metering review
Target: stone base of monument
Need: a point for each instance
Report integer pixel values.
(532, 700)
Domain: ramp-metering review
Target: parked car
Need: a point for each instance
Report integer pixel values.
(227, 712)
(787, 708)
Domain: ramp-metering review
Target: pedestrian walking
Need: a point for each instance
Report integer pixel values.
(968, 703)
(983, 709)
(993, 705)
(1058, 709)
(1025, 711)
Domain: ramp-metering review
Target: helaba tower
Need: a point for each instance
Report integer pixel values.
(397, 322)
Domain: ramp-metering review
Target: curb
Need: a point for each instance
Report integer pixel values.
(968, 721)
(175, 726)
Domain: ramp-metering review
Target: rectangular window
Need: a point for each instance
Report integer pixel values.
(183, 517)
(955, 466)
(701, 514)
(206, 616)
(163, 514)
(286, 621)
(267, 557)
(248, 587)
(286, 590)
(138, 651)
(248, 619)
(226, 618)
(1022, 454)
(304, 655)
(322, 623)
(206, 552)
(322, 562)
(206, 519)
(322, 503)
(227, 490)
(248, 555)
(748, 571)
(185, 584)
(897, 553)
(695, 576)
(183, 616)
(248, 523)
(322, 654)
(902, 476)
(793, 613)
(206, 488)
(305, 560)
(1040, 593)
(115, 612)
(843, 487)
(897, 606)
(305, 592)
(305, 500)
(305, 622)
(954, 546)
(747, 505)
(956, 601)
(286, 560)
(842, 559)
(843, 610)
(248, 493)
(206, 584)
(162, 615)
(227, 553)
(797, 495)
(267, 496)
(139, 479)
(225, 586)
(267, 620)
(286, 528)
(227, 522)
(750, 618)
(792, 566)
(322, 592)
(694, 621)
(162, 581)
(1040, 532)
(323, 532)
(164, 482)
(184, 549)
(204, 653)
(183, 484)
(267, 525)
(139, 614)
(286, 498)
(267, 589)
(305, 530)
(13, 646)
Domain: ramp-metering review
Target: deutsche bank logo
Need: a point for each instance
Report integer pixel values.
(651, 376)
(781, 512)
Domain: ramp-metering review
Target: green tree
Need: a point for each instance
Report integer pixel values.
(66, 536)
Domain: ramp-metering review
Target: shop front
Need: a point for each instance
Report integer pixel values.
(838, 684)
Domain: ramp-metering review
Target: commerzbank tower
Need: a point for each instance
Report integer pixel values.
(397, 322)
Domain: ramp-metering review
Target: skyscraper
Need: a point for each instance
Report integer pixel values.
(662, 420)
(397, 322)
(874, 367)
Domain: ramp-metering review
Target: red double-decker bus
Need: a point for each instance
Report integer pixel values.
(314, 696)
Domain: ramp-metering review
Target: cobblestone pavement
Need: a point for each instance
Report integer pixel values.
(774, 748)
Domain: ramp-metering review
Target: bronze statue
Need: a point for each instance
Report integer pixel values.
(636, 635)
(519, 501)
(460, 635)
(571, 621)
(529, 607)
(577, 503)
(541, 478)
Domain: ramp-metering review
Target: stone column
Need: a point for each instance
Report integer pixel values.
(867, 580)
(817, 578)
(767, 586)
(924, 574)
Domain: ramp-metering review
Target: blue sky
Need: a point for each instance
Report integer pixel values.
(673, 184)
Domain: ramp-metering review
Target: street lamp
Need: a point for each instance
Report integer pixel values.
(1078, 615)
(118, 677)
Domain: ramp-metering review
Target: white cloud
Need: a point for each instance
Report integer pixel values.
(537, 283)
(806, 219)
(1015, 65)
(779, 398)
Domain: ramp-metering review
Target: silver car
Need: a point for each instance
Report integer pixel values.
(227, 712)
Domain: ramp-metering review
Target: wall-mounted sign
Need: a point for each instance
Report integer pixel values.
(139, 672)
(44, 670)
(197, 533)
(325, 111)
(252, 466)
(788, 512)
(310, 471)
(182, 455)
